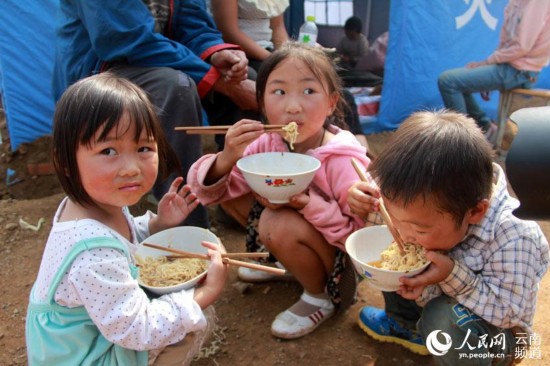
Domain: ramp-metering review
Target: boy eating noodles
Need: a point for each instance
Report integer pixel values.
(443, 192)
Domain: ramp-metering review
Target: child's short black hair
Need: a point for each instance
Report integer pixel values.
(354, 24)
(95, 103)
(440, 156)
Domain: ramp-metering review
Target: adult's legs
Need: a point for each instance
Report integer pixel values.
(458, 85)
(175, 96)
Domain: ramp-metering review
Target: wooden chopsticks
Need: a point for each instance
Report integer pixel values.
(393, 230)
(225, 255)
(218, 130)
(226, 258)
(383, 211)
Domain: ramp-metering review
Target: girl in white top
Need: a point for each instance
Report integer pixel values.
(108, 150)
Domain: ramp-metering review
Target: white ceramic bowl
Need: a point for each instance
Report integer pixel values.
(187, 238)
(364, 246)
(278, 176)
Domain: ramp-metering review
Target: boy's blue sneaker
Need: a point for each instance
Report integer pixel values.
(379, 326)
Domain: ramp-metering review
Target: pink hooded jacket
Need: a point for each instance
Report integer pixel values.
(327, 210)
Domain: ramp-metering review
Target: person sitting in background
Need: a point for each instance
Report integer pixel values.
(354, 45)
(255, 25)
(351, 49)
(375, 59)
(523, 50)
(172, 50)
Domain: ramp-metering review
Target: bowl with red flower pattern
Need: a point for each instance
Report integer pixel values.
(277, 176)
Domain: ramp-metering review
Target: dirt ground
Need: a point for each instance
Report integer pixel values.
(243, 337)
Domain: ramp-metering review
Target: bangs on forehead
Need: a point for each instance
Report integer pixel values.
(138, 115)
(88, 111)
(142, 118)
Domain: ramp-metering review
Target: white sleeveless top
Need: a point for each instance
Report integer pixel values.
(254, 17)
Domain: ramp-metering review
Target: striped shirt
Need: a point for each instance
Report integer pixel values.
(498, 265)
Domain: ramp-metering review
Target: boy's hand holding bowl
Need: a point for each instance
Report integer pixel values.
(364, 248)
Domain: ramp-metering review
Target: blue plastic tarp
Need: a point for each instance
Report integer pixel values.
(26, 58)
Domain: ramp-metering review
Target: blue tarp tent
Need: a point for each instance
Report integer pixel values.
(428, 37)
(26, 58)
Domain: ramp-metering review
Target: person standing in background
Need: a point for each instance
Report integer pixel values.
(523, 50)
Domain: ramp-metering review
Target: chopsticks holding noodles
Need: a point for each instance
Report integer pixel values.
(227, 258)
(218, 130)
(383, 211)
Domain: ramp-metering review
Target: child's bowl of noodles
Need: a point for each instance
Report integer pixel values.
(278, 176)
(378, 260)
(161, 275)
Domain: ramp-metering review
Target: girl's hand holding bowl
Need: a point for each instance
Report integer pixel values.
(296, 202)
(278, 176)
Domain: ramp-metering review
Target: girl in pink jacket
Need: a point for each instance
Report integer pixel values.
(307, 235)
